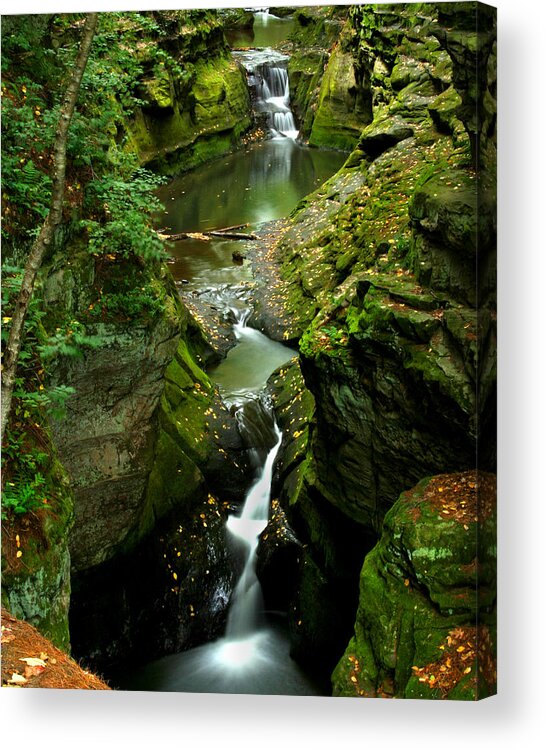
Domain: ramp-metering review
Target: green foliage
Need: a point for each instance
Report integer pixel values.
(103, 183)
(129, 304)
(69, 341)
(38, 348)
(24, 463)
(127, 205)
(23, 495)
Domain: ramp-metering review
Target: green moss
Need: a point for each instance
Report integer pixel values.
(418, 597)
(339, 117)
(204, 119)
(175, 482)
(36, 586)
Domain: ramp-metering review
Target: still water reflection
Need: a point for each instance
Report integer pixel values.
(260, 183)
(265, 181)
(268, 31)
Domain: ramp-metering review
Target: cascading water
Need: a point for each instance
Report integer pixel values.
(268, 77)
(261, 183)
(274, 93)
(253, 656)
(243, 631)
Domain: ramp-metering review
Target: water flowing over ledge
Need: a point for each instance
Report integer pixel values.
(267, 72)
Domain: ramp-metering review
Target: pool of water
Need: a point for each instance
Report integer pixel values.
(268, 31)
(259, 183)
(257, 665)
(262, 182)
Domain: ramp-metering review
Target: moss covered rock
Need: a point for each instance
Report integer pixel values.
(193, 119)
(107, 438)
(343, 106)
(36, 559)
(384, 306)
(425, 622)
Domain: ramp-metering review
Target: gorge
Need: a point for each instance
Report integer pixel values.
(275, 471)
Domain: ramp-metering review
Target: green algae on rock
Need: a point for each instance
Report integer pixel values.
(195, 103)
(425, 626)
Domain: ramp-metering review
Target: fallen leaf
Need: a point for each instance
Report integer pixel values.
(31, 661)
(17, 679)
(33, 671)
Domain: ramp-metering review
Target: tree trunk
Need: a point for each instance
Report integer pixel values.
(53, 219)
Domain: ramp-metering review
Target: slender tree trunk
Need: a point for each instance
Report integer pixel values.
(53, 219)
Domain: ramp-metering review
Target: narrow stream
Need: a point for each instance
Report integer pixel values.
(253, 656)
(258, 184)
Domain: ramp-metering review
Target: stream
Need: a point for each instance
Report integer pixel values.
(260, 183)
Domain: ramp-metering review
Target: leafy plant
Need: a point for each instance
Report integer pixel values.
(24, 465)
(23, 496)
(127, 207)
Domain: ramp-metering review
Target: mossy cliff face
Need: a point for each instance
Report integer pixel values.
(146, 439)
(379, 285)
(36, 559)
(325, 83)
(425, 626)
(196, 102)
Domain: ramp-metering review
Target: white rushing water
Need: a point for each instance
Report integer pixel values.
(268, 75)
(240, 646)
(253, 655)
(246, 603)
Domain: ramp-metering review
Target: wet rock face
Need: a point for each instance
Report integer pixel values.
(170, 593)
(344, 104)
(319, 89)
(278, 560)
(382, 268)
(200, 106)
(108, 436)
(425, 622)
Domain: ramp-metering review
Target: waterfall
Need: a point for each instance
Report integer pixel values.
(246, 604)
(260, 431)
(268, 78)
(274, 98)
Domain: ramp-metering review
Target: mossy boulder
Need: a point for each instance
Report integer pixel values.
(425, 622)
(443, 111)
(468, 34)
(407, 70)
(452, 234)
(381, 134)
